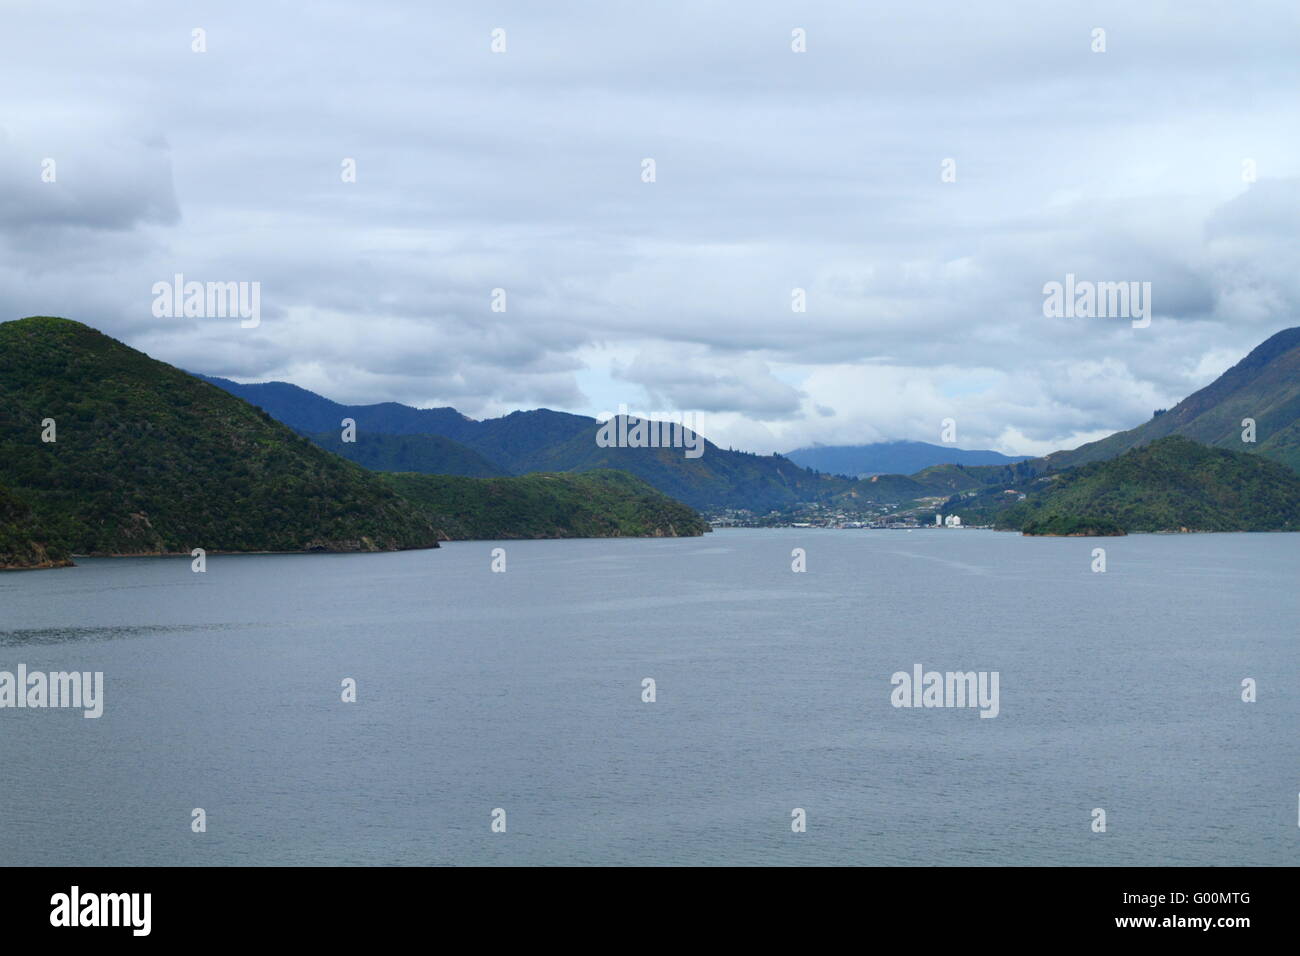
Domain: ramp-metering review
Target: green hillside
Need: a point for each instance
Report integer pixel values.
(718, 478)
(430, 454)
(1171, 484)
(1264, 386)
(149, 459)
(543, 440)
(587, 505)
(22, 543)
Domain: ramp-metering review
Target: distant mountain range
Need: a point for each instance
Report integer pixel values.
(1265, 387)
(539, 440)
(505, 444)
(542, 439)
(892, 458)
(106, 451)
(151, 460)
(394, 437)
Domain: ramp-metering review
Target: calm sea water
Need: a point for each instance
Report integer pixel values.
(522, 690)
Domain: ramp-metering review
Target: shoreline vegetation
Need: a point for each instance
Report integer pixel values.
(1060, 526)
(604, 503)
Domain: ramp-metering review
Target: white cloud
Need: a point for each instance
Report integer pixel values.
(775, 170)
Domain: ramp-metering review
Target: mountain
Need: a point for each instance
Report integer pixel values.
(550, 441)
(430, 454)
(307, 412)
(591, 504)
(1264, 386)
(718, 478)
(505, 442)
(1170, 484)
(892, 458)
(544, 440)
(520, 438)
(147, 459)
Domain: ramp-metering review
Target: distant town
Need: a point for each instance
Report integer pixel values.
(881, 515)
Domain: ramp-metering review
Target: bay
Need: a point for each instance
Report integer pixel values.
(523, 691)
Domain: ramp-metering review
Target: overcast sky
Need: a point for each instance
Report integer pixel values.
(775, 170)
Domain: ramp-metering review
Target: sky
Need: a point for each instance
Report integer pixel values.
(920, 171)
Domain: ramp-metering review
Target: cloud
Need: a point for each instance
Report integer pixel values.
(776, 171)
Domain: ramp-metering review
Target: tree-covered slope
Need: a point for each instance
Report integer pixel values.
(22, 543)
(148, 459)
(309, 413)
(1264, 386)
(591, 504)
(504, 441)
(429, 454)
(545, 440)
(718, 478)
(1171, 484)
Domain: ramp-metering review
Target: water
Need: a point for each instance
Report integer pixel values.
(522, 691)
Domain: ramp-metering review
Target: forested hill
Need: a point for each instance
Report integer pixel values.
(538, 440)
(106, 451)
(148, 459)
(1264, 387)
(1171, 484)
(594, 504)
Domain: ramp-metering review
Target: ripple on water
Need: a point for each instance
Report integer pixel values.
(43, 636)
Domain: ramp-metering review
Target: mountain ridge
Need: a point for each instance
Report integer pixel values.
(1263, 386)
(105, 451)
(145, 459)
(1170, 484)
(901, 457)
(544, 440)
